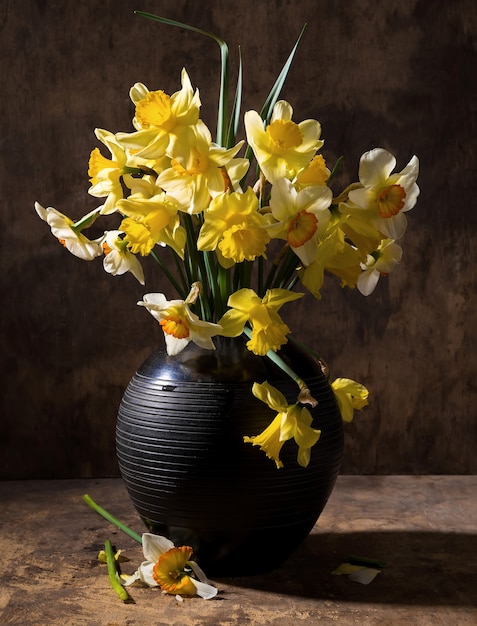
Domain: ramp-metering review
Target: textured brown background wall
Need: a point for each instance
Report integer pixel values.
(398, 74)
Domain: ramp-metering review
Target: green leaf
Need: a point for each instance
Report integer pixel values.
(222, 116)
(235, 113)
(272, 98)
(275, 91)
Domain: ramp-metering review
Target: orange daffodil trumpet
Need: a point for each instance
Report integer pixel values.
(234, 241)
(301, 216)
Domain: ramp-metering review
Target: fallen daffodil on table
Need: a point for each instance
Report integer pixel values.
(166, 566)
(239, 227)
(172, 569)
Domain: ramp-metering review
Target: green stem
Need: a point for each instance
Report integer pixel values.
(286, 268)
(273, 356)
(313, 353)
(260, 281)
(113, 572)
(193, 273)
(271, 276)
(180, 290)
(90, 502)
(224, 280)
(210, 290)
(180, 270)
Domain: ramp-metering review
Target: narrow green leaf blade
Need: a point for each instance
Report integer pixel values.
(236, 108)
(267, 108)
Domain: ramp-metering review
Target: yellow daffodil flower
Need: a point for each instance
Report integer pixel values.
(350, 396)
(69, 233)
(117, 258)
(161, 119)
(234, 228)
(335, 255)
(179, 324)
(381, 262)
(197, 170)
(385, 196)
(283, 148)
(269, 332)
(105, 174)
(151, 217)
(301, 216)
(291, 421)
(171, 569)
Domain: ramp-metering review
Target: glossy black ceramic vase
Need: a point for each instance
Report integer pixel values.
(192, 478)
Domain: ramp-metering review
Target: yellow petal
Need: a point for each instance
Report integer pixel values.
(270, 395)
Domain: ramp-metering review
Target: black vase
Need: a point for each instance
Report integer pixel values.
(189, 473)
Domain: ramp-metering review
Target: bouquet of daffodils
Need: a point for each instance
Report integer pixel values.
(247, 234)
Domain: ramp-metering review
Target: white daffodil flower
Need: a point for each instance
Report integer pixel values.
(385, 196)
(117, 258)
(379, 263)
(302, 216)
(179, 324)
(171, 569)
(69, 233)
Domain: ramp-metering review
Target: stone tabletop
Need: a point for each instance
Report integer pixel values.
(422, 527)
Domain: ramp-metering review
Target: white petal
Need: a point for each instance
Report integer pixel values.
(375, 166)
(198, 571)
(154, 546)
(365, 575)
(367, 281)
(41, 211)
(131, 579)
(393, 227)
(205, 590)
(145, 574)
(174, 345)
(411, 197)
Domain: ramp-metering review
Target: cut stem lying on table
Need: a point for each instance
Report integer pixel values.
(113, 573)
(90, 502)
